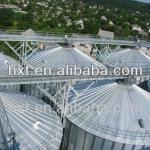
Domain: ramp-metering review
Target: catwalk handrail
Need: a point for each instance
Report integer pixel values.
(63, 38)
(50, 74)
(45, 79)
(22, 32)
(53, 78)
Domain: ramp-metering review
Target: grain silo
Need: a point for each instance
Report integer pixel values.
(55, 58)
(128, 58)
(7, 66)
(134, 59)
(59, 57)
(114, 116)
(35, 124)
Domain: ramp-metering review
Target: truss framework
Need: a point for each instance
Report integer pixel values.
(25, 47)
(60, 98)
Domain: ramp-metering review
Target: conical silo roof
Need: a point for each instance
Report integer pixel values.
(128, 58)
(59, 57)
(5, 62)
(35, 124)
(113, 111)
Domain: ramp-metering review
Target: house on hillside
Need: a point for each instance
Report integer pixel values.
(143, 35)
(9, 6)
(80, 23)
(111, 23)
(136, 28)
(69, 23)
(103, 18)
(105, 34)
(29, 32)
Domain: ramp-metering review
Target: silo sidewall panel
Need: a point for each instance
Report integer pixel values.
(76, 138)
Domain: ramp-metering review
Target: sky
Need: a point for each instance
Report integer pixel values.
(146, 1)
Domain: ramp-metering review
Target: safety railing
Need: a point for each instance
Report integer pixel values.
(74, 72)
(73, 35)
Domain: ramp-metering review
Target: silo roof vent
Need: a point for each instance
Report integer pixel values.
(141, 123)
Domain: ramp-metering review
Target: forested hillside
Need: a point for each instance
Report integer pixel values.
(76, 16)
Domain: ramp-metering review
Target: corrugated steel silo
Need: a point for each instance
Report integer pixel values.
(35, 124)
(128, 58)
(56, 58)
(7, 63)
(108, 117)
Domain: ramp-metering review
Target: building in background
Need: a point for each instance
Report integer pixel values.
(105, 34)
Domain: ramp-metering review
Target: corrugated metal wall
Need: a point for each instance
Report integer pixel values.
(78, 139)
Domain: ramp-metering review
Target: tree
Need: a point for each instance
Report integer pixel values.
(7, 17)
